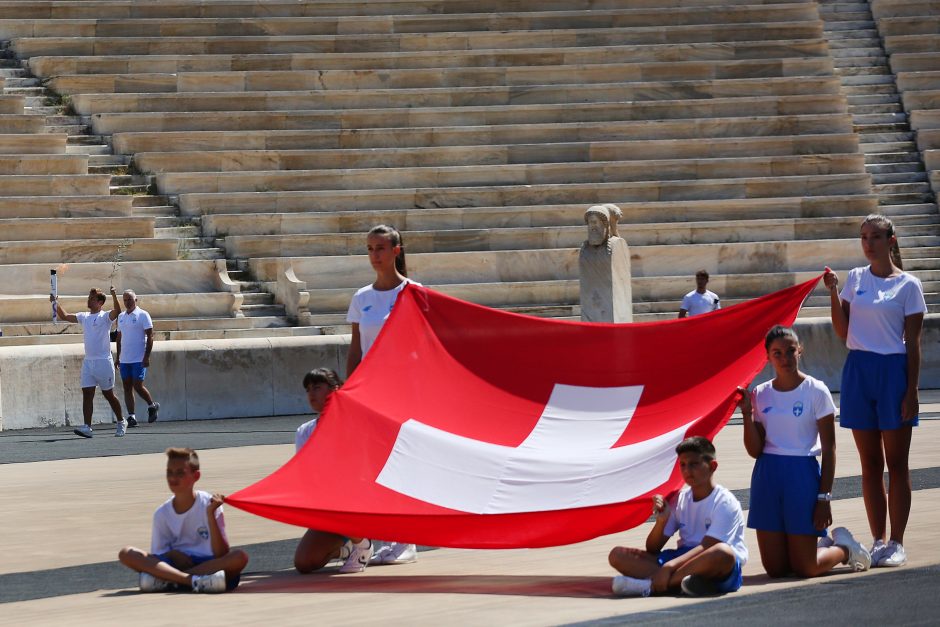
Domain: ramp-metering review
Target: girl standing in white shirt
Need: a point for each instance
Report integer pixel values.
(880, 315)
(368, 311)
(788, 421)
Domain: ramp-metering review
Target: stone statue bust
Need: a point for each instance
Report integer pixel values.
(604, 264)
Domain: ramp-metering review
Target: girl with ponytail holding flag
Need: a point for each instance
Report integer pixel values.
(368, 311)
(880, 314)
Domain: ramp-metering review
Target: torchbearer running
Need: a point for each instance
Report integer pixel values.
(98, 366)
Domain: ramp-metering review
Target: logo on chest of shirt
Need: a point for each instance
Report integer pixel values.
(203, 532)
(367, 308)
(798, 409)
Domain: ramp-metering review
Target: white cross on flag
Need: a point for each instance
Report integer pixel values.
(471, 427)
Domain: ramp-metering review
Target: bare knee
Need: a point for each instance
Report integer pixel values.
(239, 559)
(618, 555)
(129, 555)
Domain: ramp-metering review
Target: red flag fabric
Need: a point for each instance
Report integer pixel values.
(471, 427)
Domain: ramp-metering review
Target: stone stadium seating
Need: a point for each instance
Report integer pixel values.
(482, 129)
(910, 30)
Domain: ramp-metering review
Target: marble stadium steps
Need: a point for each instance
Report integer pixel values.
(292, 150)
(21, 229)
(450, 218)
(28, 207)
(776, 170)
(130, 9)
(486, 124)
(746, 230)
(184, 294)
(42, 164)
(118, 66)
(33, 144)
(820, 146)
(195, 204)
(21, 124)
(431, 97)
(168, 28)
(423, 42)
(910, 32)
(586, 72)
(11, 104)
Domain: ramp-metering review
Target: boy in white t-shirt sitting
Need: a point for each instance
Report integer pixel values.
(711, 549)
(188, 546)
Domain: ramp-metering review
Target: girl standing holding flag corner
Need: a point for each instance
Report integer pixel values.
(880, 314)
(368, 311)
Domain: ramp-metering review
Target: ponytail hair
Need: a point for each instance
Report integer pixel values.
(394, 236)
(886, 225)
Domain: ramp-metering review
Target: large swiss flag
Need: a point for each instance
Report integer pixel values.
(471, 427)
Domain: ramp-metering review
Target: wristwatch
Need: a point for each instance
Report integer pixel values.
(824, 496)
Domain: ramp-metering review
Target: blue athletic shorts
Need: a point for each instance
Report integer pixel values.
(873, 386)
(783, 494)
(730, 583)
(137, 372)
(230, 583)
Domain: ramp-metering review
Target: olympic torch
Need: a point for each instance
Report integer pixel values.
(54, 290)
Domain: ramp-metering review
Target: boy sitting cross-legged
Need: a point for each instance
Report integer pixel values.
(188, 546)
(711, 550)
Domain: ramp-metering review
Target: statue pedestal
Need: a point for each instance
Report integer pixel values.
(606, 293)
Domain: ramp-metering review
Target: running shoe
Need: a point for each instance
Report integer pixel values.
(624, 586)
(132, 421)
(149, 583)
(359, 558)
(878, 548)
(84, 431)
(120, 429)
(859, 557)
(152, 412)
(396, 553)
(210, 584)
(894, 555)
(697, 586)
(824, 542)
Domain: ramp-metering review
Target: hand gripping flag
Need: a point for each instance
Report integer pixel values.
(470, 427)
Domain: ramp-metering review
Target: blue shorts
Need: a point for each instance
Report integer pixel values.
(230, 583)
(873, 386)
(783, 494)
(731, 583)
(137, 372)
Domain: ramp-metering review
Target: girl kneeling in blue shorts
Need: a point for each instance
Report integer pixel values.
(788, 422)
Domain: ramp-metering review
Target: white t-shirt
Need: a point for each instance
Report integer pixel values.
(695, 303)
(304, 432)
(187, 532)
(717, 516)
(878, 309)
(132, 326)
(789, 418)
(370, 309)
(96, 329)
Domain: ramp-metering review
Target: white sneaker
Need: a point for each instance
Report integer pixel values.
(894, 555)
(211, 584)
(358, 559)
(859, 557)
(877, 551)
(396, 553)
(84, 431)
(149, 583)
(120, 429)
(345, 550)
(824, 542)
(624, 586)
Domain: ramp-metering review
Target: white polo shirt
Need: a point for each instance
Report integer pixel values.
(133, 327)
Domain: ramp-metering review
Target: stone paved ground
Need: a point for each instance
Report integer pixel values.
(70, 504)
